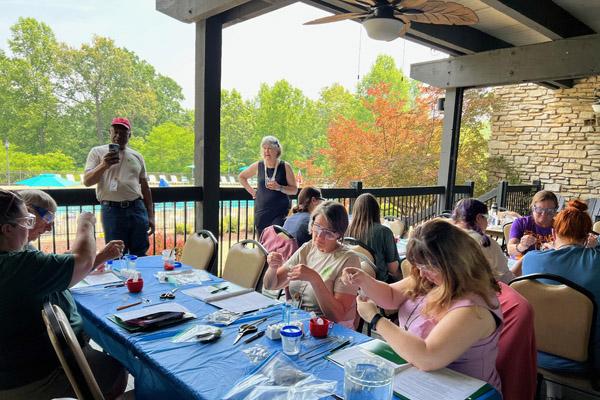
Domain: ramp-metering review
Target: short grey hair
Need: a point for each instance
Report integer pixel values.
(38, 198)
(273, 143)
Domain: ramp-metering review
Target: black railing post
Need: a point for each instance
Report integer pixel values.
(358, 187)
(501, 198)
(538, 185)
(471, 186)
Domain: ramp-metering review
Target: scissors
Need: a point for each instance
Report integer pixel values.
(248, 328)
(170, 295)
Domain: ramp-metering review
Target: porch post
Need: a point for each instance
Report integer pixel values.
(208, 120)
(450, 138)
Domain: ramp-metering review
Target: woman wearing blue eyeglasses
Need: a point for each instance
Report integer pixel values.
(314, 272)
(533, 232)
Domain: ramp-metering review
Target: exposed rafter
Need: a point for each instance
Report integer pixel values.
(543, 16)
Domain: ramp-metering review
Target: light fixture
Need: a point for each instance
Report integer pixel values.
(596, 107)
(386, 29)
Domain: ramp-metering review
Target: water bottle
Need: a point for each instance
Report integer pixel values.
(494, 214)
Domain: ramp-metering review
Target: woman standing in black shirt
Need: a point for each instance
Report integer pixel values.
(275, 182)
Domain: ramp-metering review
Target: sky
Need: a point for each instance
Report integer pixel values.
(266, 49)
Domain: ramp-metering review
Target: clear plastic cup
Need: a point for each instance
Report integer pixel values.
(367, 378)
(290, 339)
(131, 261)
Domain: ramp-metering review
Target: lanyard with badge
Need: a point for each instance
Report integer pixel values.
(272, 178)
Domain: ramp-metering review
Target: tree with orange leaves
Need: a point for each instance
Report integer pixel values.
(398, 147)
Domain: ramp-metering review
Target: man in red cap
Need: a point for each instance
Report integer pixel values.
(122, 189)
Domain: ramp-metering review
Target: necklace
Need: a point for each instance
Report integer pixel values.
(408, 321)
(272, 177)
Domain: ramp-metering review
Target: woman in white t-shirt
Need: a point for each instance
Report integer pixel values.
(314, 272)
(472, 216)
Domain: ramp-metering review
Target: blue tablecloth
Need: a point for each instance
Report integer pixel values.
(165, 370)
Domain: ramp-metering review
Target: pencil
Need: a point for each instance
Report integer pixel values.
(128, 305)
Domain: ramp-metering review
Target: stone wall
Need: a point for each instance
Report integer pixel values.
(542, 134)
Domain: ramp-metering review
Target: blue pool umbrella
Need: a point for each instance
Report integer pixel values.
(46, 180)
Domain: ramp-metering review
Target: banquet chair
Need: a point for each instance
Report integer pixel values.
(596, 227)
(516, 362)
(275, 238)
(367, 266)
(360, 247)
(395, 224)
(246, 265)
(565, 315)
(405, 267)
(200, 251)
(506, 233)
(70, 354)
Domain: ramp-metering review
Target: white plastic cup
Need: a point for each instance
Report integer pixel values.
(367, 378)
(290, 339)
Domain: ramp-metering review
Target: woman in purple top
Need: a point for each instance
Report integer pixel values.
(534, 232)
(448, 311)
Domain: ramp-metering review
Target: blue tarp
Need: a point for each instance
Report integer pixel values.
(44, 180)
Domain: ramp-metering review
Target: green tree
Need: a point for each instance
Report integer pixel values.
(384, 71)
(167, 148)
(238, 148)
(49, 162)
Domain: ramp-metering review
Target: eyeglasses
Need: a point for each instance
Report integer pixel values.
(327, 234)
(541, 210)
(27, 222)
(47, 216)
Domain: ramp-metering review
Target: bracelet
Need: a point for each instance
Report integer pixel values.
(375, 320)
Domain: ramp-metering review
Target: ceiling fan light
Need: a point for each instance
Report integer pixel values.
(386, 29)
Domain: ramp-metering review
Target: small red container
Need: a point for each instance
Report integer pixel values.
(319, 330)
(135, 287)
(169, 265)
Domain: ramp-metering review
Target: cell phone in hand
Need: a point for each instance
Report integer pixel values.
(113, 148)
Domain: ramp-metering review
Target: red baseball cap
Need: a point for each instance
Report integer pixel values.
(121, 121)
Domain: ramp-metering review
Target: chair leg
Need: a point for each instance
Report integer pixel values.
(538, 386)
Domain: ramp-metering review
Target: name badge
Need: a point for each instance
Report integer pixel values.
(114, 184)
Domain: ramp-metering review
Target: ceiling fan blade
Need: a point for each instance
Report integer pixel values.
(335, 18)
(409, 3)
(360, 3)
(444, 13)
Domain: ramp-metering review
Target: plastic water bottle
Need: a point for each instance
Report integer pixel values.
(286, 311)
(494, 214)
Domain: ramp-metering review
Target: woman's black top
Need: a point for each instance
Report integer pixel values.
(271, 206)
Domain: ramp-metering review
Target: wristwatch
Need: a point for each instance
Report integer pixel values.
(375, 320)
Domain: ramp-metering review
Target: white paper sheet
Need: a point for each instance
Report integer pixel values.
(102, 279)
(442, 384)
(142, 312)
(245, 302)
(204, 293)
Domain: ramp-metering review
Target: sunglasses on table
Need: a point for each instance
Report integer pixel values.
(327, 234)
(46, 215)
(27, 222)
(542, 210)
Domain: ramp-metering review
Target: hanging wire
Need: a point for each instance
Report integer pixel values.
(359, 52)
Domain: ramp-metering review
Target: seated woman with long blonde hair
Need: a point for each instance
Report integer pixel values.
(448, 312)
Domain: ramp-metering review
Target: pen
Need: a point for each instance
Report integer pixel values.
(252, 338)
(114, 285)
(219, 289)
(128, 305)
(329, 351)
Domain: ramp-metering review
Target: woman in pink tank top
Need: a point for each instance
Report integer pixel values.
(448, 312)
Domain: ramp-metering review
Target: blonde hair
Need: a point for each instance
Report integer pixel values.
(458, 258)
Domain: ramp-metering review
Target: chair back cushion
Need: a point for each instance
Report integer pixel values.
(362, 251)
(596, 227)
(245, 265)
(563, 318)
(279, 242)
(517, 356)
(198, 251)
(69, 353)
(397, 227)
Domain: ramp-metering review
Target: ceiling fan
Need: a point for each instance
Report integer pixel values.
(389, 19)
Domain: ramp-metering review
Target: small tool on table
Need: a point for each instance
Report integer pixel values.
(219, 289)
(128, 305)
(115, 285)
(170, 295)
(253, 338)
(248, 328)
